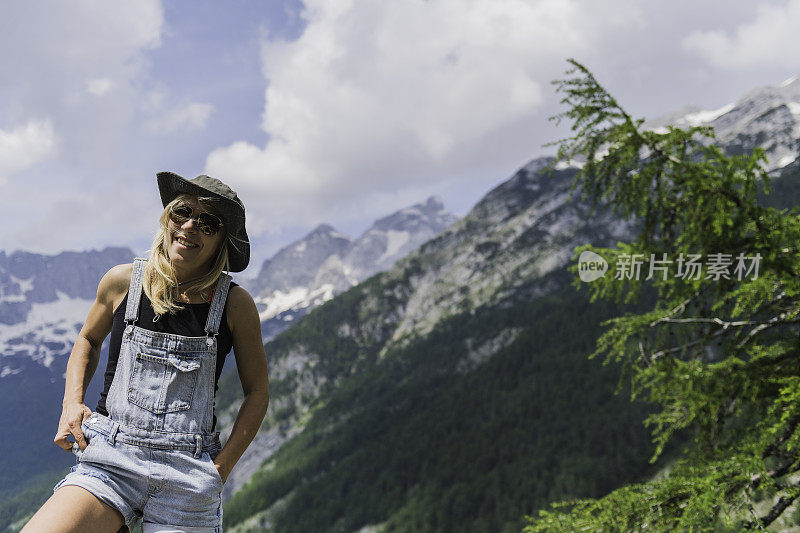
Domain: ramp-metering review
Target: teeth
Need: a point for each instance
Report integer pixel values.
(185, 242)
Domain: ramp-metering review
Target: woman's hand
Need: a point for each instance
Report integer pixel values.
(72, 416)
(222, 471)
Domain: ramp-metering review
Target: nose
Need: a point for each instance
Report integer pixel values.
(190, 225)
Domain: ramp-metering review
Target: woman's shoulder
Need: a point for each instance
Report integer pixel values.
(238, 296)
(239, 306)
(114, 283)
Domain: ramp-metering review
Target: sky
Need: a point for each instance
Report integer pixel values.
(330, 111)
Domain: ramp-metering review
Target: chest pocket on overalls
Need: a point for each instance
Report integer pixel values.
(163, 383)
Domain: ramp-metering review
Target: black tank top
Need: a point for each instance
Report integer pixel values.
(189, 321)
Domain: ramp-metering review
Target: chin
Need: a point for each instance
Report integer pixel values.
(176, 255)
(181, 258)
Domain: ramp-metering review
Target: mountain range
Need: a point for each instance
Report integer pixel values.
(313, 269)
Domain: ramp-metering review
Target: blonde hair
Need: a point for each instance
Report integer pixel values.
(159, 281)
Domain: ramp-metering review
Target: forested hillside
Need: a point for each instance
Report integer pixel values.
(426, 439)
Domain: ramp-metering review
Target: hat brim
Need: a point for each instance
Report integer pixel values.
(171, 185)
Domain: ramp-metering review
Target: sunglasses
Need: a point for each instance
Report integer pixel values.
(207, 223)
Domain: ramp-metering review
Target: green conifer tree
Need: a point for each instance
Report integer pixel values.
(718, 356)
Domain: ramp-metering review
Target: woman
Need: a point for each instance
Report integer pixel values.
(150, 449)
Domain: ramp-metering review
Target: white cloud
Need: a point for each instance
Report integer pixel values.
(69, 54)
(380, 96)
(192, 116)
(99, 86)
(75, 46)
(24, 146)
(83, 65)
(770, 39)
(169, 117)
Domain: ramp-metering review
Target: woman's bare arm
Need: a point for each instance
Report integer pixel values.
(251, 363)
(86, 353)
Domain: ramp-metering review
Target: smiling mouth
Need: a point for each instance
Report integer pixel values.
(184, 242)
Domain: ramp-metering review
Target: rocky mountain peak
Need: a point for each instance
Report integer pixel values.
(766, 117)
(324, 262)
(296, 264)
(431, 212)
(324, 231)
(529, 183)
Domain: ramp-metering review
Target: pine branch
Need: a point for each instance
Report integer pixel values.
(677, 349)
(777, 510)
(715, 320)
(726, 326)
(681, 307)
(774, 321)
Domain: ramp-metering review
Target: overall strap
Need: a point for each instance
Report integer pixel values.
(217, 305)
(135, 290)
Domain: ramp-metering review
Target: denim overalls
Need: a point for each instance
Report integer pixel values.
(152, 456)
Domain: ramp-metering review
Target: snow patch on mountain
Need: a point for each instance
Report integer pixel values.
(9, 371)
(49, 331)
(396, 240)
(789, 81)
(24, 286)
(703, 117)
(564, 165)
(296, 298)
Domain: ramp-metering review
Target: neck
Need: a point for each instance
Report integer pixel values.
(187, 275)
(188, 281)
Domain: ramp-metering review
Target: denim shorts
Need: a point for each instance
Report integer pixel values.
(171, 488)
